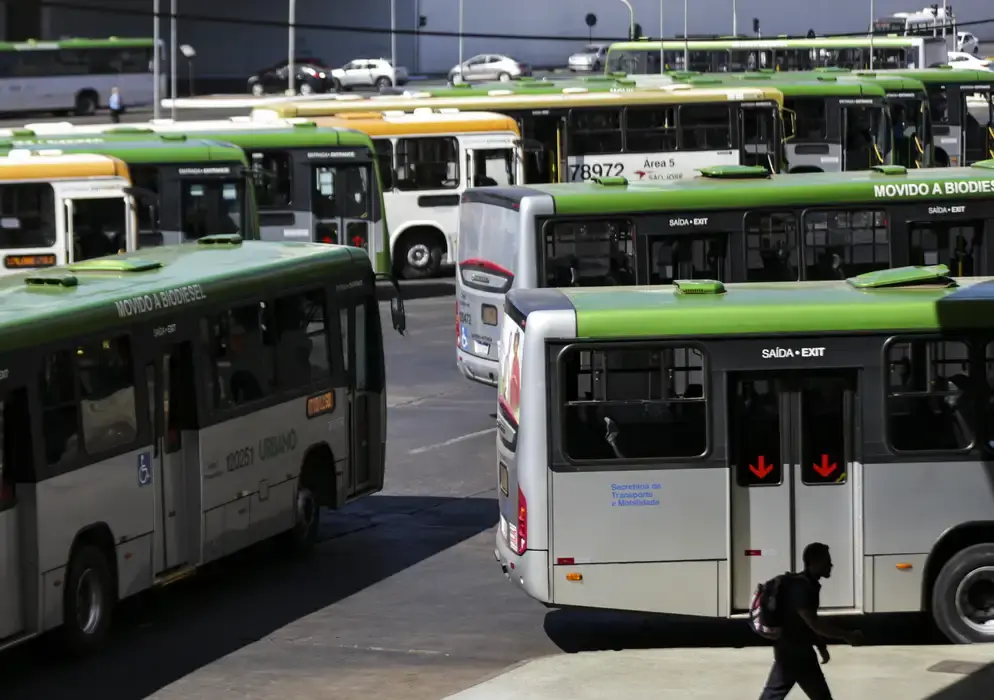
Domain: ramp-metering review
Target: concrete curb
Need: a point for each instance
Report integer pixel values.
(419, 289)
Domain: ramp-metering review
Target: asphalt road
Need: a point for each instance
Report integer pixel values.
(402, 599)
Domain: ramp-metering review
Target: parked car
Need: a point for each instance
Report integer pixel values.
(488, 66)
(967, 43)
(311, 77)
(590, 58)
(370, 72)
(966, 61)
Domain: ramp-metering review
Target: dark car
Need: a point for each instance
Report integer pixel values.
(311, 77)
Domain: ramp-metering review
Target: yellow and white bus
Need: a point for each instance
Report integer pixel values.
(57, 209)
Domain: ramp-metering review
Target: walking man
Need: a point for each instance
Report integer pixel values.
(794, 660)
(115, 106)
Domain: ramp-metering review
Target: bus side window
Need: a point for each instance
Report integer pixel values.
(427, 163)
(384, 159)
(302, 352)
(16, 453)
(106, 377)
(242, 348)
(272, 174)
(60, 413)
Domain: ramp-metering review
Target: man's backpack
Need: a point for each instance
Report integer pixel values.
(766, 609)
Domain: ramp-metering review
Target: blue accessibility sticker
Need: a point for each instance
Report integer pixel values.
(144, 469)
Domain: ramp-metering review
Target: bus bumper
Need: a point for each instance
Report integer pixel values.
(528, 571)
(477, 369)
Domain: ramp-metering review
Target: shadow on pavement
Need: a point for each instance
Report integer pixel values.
(978, 685)
(164, 635)
(593, 630)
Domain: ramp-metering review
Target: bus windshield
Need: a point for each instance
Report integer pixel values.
(212, 206)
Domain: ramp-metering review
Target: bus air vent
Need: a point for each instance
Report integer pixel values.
(572, 91)
(732, 172)
(699, 286)
(173, 137)
(218, 239)
(115, 265)
(23, 133)
(129, 130)
(911, 276)
(890, 169)
(828, 78)
(500, 93)
(610, 181)
(50, 281)
(755, 76)
(985, 164)
(625, 83)
(617, 74)
(305, 125)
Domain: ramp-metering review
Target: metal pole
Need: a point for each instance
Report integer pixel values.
(291, 44)
(945, 17)
(157, 61)
(173, 60)
(460, 37)
(686, 39)
(393, 32)
(662, 52)
(735, 19)
(631, 20)
(873, 30)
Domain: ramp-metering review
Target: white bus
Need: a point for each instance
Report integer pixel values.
(164, 409)
(75, 75)
(57, 209)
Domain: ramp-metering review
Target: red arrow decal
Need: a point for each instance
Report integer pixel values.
(824, 469)
(763, 469)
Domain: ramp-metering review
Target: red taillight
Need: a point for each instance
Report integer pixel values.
(458, 329)
(522, 522)
(327, 239)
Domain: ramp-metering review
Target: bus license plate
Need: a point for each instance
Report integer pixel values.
(502, 478)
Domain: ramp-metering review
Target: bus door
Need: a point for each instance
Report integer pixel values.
(953, 242)
(361, 478)
(758, 135)
(545, 134)
(978, 129)
(16, 512)
(791, 455)
(866, 138)
(341, 204)
(98, 223)
(175, 459)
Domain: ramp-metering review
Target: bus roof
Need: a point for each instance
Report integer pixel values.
(500, 100)
(946, 74)
(724, 190)
(763, 308)
(62, 302)
(422, 121)
(111, 42)
(162, 150)
(883, 42)
(244, 134)
(28, 165)
(793, 86)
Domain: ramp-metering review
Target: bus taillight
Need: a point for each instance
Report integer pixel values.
(458, 325)
(357, 235)
(522, 543)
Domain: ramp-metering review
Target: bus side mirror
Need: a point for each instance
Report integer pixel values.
(789, 124)
(398, 316)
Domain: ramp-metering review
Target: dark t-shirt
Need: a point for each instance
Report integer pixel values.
(800, 592)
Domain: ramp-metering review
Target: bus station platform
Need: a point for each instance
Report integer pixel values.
(945, 672)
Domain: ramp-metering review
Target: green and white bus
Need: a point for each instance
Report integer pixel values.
(692, 438)
(165, 408)
(733, 224)
(311, 183)
(75, 75)
(189, 188)
(779, 54)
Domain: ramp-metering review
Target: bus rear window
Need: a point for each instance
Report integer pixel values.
(27, 215)
(212, 207)
(596, 253)
(633, 403)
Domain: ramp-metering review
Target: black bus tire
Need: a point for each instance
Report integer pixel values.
(88, 602)
(948, 595)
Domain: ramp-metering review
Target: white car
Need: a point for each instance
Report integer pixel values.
(967, 42)
(965, 61)
(488, 66)
(369, 72)
(590, 58)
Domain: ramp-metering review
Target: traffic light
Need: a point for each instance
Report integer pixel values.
(811, 33)
(755, 25)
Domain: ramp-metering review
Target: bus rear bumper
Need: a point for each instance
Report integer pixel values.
(528, 571)
(477, 369)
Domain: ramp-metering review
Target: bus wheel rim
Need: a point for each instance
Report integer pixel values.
(89, 602)
(418, 255)
(976, 607)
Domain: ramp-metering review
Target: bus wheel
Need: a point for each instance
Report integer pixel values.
(88, 602)
(304, 535)
(421, 254)
(963, 597)
(86, 103)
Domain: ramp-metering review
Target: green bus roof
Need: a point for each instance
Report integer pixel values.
(883, 42)
(938, 75)
(725, 190)
(41, 45)
(62, 302)
(799, 85)
(146, 150)
(768, 309)
(303, 135)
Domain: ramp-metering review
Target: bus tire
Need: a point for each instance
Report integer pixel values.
(301, 538)
(963, 590)
(88, 602)
(86, 103)
(420, 254)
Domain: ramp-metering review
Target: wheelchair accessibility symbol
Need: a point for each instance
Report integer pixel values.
(144, 469)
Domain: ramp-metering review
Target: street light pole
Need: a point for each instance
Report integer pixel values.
(291, 45)
(735, 19)
(662, 36)
(460, 36)
(157, 60)
(686, 39)
(173, 46)
(873, 30)
(631, 20)
(393, 32)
